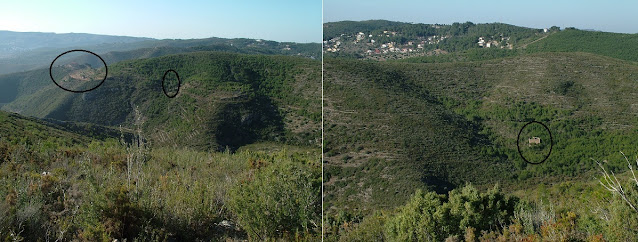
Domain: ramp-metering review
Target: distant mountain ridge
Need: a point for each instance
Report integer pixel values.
(18, 42)
(39, 51)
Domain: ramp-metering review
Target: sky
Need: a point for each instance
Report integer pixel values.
(278, 20)
(610, 16)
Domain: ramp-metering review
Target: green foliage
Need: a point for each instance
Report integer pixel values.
(281, 197)
(235, 99)
(459, 39)
(466, 213)
(562, 87)
(370, 229)
(465, 55)
(622, 209)
(616, 45)
(120, 216)
(430, 217)
(439, 125)
(624, 220)
(418, 220)
(102, 190)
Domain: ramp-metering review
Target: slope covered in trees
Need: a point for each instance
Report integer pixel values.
(393, 128)
(386, 40)
(616, 45)
(233, 156)
(225, 100)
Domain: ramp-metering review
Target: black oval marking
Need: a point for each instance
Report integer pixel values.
(179, 83)
(106, 73)
(551, 140)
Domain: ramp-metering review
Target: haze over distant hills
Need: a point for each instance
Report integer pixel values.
(14, 43)
(21, 51)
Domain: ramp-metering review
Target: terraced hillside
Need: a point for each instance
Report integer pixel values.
(394, 127)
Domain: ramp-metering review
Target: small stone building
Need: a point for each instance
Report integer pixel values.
(534, 140)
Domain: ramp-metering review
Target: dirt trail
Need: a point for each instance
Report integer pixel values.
(525, 45)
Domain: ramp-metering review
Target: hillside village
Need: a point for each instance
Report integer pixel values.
(365, 45)
(390, 44)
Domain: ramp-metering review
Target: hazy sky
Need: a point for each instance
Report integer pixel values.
(610, 16)
(279, 20)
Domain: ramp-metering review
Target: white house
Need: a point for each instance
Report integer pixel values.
(481, 41)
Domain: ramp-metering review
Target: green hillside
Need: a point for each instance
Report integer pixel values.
(435, 43)
(392, 128)
(409, 31)
(225, 101)
(616, 45)
(19, 129)
(387, 40)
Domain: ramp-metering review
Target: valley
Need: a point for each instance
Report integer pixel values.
(385, 131)
(400, 132)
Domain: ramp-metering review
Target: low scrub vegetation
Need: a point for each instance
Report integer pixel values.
(466, 214)
(116, 190)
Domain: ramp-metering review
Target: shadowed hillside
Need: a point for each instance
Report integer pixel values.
(392, 128)
(226, 100)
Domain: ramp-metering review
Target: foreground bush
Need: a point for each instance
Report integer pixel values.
(623, 209)
(281, 198)
(105, 192)
(431, 217)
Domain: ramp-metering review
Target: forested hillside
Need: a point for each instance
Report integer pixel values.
(225, 101)
(394, 128)
(387, 40)
(616, 45)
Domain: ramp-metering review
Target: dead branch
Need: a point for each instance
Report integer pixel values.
(612, 184)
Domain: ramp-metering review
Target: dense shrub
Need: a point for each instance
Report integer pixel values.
(370, 229)
(279, 199)
(105, 192)
(431, 217)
